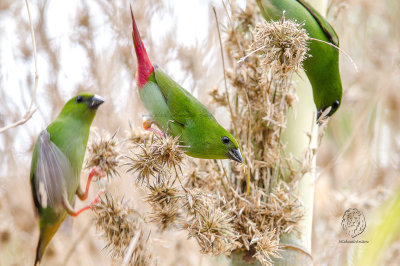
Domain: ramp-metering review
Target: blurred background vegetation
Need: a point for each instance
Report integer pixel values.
(86, 46)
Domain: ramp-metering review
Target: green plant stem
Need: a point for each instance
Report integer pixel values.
(296, 246)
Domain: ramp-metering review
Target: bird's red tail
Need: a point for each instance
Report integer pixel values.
(145, 68)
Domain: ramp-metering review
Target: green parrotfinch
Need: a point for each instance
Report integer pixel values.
(175, 110)
(56, 166)
(322, 67)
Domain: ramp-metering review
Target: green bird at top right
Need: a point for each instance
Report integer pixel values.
(322, 67)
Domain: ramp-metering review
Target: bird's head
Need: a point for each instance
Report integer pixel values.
(82, 107)
(232, 148)
(211, 141)
(328, 98)
(224, 145)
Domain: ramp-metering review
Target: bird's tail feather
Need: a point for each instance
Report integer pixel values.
(145, 68)
(46, 234)
(39, 251)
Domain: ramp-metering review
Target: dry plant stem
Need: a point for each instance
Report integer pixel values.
(131, 247)
(228, 101)
(31, 110)
(226, 86)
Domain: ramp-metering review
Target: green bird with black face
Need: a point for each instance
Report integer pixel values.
(174, 110)
(56, 166)
(322, 67)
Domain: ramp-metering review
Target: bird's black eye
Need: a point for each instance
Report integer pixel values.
(225, 140)
(335, 104)
(79, 99)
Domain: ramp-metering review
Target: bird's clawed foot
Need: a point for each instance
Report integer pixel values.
(147, 122)
(90, 205)
(96, 171)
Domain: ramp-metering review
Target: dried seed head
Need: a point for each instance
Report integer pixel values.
(168, 151)
(144, 162)
(212, 228)
(166, 217)
(195, 200)
(284, 45)
(153, 158)
(284, 209)
(199, 179)
(267, 247)
(119, 224)
(163, 193)
(104, 153)
(136, 136)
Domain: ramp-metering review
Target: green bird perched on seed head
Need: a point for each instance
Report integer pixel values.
(175, 110)
(56, 166)
(322, 67)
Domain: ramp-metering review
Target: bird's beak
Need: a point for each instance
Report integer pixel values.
(319, 113)
(95, 101)
(235, 155)
(323, 113)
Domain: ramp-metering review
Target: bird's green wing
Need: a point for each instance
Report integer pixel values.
(52, 168)
(325, 26)
(182, 105)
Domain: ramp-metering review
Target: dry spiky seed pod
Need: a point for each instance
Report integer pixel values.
(104, 153)
(168, 151)
(267, 247)
(195, 179)
(120, 224)
(284, 45)
(136, 136)
(283, 208)
(144, 162)
(195, 200)
(212, 228)
(167, 217)
(163, 193)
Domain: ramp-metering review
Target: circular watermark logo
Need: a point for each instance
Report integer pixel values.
(353, 222)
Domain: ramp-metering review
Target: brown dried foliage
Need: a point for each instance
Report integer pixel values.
(120, 224)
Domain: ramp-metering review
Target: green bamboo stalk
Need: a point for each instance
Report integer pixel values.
(296, 246)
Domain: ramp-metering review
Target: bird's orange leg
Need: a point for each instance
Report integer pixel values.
(90, 205)
(96, 171)
(70, 210)
(147, 126)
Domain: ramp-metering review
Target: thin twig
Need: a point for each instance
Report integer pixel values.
(226, 86)
(132, 245)
(234, 32)
(31, 110)
(340, 50)
(229, 103)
